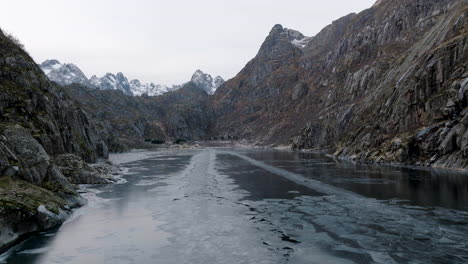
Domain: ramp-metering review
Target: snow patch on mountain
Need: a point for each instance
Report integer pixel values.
(149, 89)
(206, 81)
(297, 38)
(63, 74)
(66, 74)
(112, 82)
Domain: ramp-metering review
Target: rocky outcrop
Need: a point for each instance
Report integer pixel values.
(385, 85)
(37, 121)
(79, 172)
(26, 208)
(34, 195)
(31, 162)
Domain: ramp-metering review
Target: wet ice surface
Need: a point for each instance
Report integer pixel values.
(227, 206)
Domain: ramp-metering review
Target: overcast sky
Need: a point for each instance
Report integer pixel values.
(161, 41)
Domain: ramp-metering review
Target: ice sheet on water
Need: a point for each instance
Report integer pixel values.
(202, 216)
(350, 225)
(34, 251)
(120, 158)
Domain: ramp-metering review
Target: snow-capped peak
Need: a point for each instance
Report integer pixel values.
(297, 38)
(206, 82)
(66, 74)
(149, 89)
(112, 82)
(63, 74)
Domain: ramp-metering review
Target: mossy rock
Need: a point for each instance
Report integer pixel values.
(20, 195)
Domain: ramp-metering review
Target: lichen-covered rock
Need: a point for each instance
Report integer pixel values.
(35, 161)
(26, 208)
(26, 159)
(78, 171)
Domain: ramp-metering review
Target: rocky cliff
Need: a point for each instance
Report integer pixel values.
(181, 114)
(37, 124)
(388, 84)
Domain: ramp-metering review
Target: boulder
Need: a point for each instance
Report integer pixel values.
(34, 159)
(78, 171)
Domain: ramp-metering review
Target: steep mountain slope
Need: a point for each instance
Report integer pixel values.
(388, 84)
(37, 123)
(180, 114)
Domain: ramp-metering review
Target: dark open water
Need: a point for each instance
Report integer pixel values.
(226, 206)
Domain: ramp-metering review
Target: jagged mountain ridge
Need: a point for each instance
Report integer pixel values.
(206, 82)
(64, 74)
(68, 73)
(388, 84)
(112, 82)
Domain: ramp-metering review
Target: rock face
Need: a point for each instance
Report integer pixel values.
(37, 209)
(79, 172)
(37, 121)
(181, 114)
(387, 85)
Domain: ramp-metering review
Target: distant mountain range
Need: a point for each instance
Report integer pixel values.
(68, 73)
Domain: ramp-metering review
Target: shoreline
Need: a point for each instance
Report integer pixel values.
(76, 202)
(245, 145)
(42, 218)
(140, 154)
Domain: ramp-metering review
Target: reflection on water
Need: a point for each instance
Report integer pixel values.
(419, 186)
(260, 184)
(227, 206)
(116, 226)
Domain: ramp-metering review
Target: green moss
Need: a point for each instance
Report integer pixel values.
(20, 195)
(58, 188)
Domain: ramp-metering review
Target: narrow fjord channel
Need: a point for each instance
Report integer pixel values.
(246, 206)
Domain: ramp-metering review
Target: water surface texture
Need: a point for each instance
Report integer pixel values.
(239, 206)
